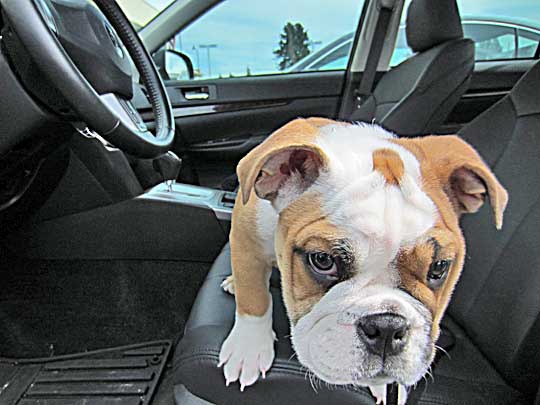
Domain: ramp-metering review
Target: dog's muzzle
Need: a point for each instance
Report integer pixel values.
(379, 339)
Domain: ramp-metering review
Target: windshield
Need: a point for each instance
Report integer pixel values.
(141, 12)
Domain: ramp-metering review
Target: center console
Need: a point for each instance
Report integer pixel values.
(219, 201)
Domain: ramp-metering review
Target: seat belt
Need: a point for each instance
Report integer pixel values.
(385, 8)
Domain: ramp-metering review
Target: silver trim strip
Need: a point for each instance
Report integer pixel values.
(501, 93)
(190, 111)
(187, 194)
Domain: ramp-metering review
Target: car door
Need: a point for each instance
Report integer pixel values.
(247, 78)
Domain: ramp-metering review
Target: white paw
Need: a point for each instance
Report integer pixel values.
(379, 392)
(248, 351)
(228, 285)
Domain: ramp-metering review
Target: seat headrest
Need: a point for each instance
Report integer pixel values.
(430, 23)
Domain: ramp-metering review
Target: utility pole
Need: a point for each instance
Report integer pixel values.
(179, 38)
(197, 56)
(208, 47)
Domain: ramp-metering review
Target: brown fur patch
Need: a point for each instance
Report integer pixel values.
(313, 232)
(299, 133)
(414, 262)
(249, 266)
(389, 164)
(445, 155)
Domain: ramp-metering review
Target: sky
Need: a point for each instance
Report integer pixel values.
(247, 32)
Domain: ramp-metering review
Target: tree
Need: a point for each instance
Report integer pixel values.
(293, 45)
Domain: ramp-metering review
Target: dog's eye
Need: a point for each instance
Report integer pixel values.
(323, 264)
(437, 273)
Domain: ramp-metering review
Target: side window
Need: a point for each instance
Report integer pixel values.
(501, 29)
(334, 56)
(240, 38)
(491, 41)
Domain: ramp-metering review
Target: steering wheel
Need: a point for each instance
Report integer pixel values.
(87, 50)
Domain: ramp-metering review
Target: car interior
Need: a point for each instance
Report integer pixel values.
(117, 187)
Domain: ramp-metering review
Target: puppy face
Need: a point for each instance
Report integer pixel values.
(368, 241)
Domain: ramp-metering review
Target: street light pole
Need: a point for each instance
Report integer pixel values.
(197, 56)
(208, 47)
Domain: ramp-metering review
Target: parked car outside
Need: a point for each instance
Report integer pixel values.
(494, 38)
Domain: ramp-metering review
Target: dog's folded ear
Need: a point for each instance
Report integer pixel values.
(285, 164)
(465, 177)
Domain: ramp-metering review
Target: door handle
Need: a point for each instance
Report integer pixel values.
(196, 94)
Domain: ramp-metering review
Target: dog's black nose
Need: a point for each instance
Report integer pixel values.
(383, 334)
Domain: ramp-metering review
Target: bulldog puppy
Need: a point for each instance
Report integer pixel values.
(364, 228)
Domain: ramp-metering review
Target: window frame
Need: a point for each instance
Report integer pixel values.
(536, 54)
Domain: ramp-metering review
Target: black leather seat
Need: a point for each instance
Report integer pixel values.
(494, 315)
(416, 96)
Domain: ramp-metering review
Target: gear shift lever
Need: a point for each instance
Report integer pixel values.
(168, 166)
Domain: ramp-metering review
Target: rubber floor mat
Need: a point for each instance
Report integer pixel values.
(125, 375)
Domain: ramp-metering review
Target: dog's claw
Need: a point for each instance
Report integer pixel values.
(248, 351)
(228, 285)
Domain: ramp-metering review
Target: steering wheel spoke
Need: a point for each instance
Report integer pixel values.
(125, 111)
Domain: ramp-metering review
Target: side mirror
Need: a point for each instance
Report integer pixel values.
(174, 65)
